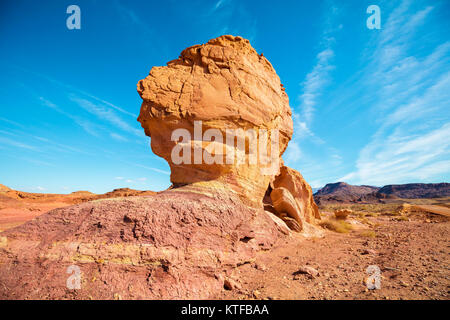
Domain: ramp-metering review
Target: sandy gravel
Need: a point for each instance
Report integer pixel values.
(413, 258)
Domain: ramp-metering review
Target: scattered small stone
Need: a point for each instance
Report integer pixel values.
(257, 294)
(368, 251)
(342, 213)
(404, 284)
(310, 271)
(259, 266)
(230, 284)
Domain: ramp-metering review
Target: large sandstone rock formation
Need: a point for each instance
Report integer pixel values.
(227, 85)
(183, 242)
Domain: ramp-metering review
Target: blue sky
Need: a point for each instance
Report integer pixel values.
(370, 106)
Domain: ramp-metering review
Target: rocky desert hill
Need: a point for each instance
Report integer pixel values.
(184, 242)
(71, 198)
(417, 190)
(342, 192)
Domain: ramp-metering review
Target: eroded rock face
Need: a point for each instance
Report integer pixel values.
(292, 199)
(225, 84)
(284, 203)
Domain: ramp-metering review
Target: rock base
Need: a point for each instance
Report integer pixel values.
(174, 245)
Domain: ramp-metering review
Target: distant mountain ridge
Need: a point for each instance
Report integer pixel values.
(342, 188)
(344, 192)
(417, 190)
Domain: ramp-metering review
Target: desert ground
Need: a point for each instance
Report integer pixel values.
(410, 246)
(18, 207)
(408, 239)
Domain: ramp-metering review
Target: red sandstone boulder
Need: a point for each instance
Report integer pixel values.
(174, 245)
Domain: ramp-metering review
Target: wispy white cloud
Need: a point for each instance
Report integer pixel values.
(58, 146)
(18, 144)
(107, 103)
(12, 122)
(132, 180)
(101, 110)
(219, 4)
(317, 79)
(50, 104)
(153, 169)
(220, 7)
(88, 126)
(411, 102)
(118, 137)
(36, 143)
(229, 17)
(131, 17)
(398, 158)
(7, 133)
(293, 153)
(38, 162)
(104, 113)
(73, 90)
(314, 84)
